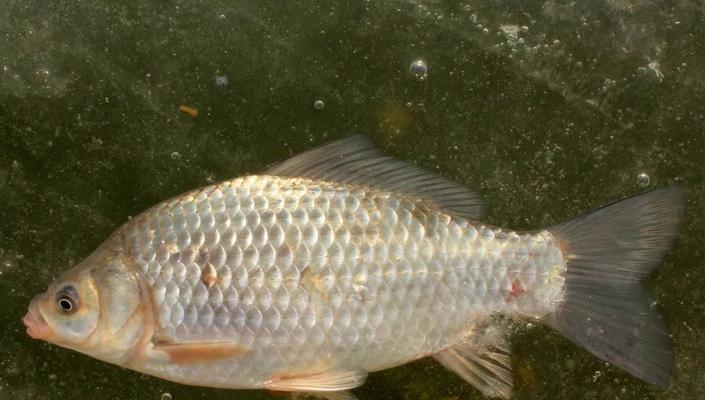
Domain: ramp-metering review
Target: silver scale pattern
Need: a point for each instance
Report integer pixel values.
(300, 271)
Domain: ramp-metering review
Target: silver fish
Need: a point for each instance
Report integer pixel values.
(343, 261)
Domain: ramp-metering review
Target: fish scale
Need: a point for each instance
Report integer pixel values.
(304, 271)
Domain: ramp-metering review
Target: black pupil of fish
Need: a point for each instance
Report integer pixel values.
(65, 304)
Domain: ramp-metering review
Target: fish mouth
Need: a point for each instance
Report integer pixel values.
(37, 328)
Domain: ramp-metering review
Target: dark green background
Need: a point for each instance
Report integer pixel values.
(547, 123)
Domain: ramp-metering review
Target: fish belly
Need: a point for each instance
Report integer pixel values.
(307, 275)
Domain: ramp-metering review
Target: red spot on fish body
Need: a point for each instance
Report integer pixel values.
(516, 289)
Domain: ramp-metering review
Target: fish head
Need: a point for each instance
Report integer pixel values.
(96, 308)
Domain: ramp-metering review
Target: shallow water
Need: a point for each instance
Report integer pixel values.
(548, 108)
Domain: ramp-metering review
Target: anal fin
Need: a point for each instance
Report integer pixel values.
(482, 360)
(333, 380)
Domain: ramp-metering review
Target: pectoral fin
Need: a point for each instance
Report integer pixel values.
(335, 380)
(483, 361)
(193, 353)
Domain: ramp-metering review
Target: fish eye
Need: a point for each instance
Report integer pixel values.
(67, 299)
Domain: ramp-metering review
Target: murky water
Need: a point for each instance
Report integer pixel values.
(549, 108)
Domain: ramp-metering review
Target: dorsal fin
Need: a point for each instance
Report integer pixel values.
(482, 360)
(356, 160)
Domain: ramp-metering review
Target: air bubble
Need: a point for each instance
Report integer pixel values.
(643, 179)
(319, 105)
(418, 70)
(176, 155)
(221, 80)
(167, 396)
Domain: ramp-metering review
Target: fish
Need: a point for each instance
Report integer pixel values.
(342, 261)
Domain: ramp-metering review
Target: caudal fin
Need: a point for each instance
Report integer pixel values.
(605, 309)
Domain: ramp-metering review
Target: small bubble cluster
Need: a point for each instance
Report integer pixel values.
(596, 376)
(42, 76)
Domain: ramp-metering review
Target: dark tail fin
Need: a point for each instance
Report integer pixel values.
(605, 309)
